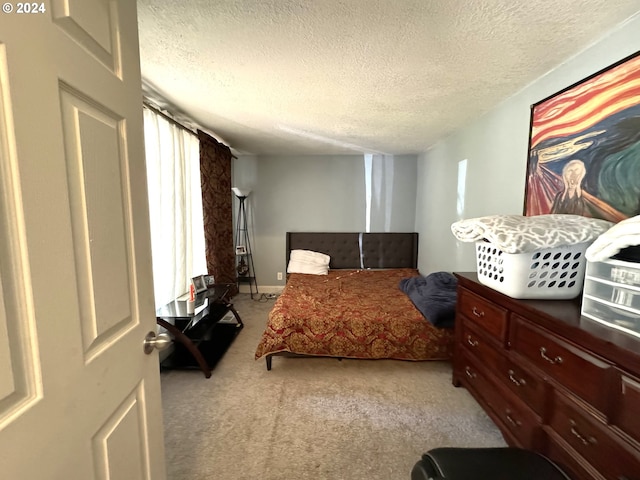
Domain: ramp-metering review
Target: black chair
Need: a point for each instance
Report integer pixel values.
(504, 463)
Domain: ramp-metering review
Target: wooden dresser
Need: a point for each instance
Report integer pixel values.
(551, 381)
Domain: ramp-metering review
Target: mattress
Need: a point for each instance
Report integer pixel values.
(352, 314)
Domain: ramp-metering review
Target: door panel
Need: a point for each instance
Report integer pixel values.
(79, 399)
(20, 369)
(119, 447)
(100, 218)
(92, 24)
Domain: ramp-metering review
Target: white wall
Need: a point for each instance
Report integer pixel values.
(322, 194)
(495, 147)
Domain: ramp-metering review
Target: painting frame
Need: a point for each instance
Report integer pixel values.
(199, 284)
(584, 147)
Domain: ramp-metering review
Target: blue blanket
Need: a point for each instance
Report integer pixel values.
(434, 295)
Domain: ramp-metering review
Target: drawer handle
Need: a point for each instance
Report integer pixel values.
(471, 341)
(515, 423)
(519, 383)
(579, 436)
(477, 313)
(556, 361)
(469, 373)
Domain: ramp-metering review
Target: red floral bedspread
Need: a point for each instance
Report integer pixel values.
(352, 314)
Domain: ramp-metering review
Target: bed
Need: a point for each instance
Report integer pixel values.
(357, 309)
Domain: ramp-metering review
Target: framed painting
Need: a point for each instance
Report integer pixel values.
(199, 284)
(584, 147)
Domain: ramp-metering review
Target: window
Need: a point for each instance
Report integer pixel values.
(175, 206)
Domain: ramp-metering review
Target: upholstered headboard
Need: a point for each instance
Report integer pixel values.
(359, 250)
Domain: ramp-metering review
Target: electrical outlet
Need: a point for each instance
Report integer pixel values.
(279, 275)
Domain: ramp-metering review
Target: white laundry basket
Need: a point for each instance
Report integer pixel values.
(551, 273)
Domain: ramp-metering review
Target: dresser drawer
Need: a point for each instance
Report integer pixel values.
(506, 409)
(477, 343)
(525, 384)
(627, 413)
(490, 317)
(576, 369)
(593, 439)
(474, 378)
(521, 422)
(558, 451)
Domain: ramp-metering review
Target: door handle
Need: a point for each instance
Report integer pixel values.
(159, 342)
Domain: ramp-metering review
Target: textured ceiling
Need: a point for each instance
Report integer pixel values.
(347, 76)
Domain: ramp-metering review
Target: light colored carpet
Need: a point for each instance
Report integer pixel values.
(314, 418)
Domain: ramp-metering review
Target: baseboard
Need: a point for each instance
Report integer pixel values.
(270, 289)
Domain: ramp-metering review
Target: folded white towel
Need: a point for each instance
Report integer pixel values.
(520, 234)
(623, 234)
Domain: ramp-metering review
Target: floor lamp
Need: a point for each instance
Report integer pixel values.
(244, 257)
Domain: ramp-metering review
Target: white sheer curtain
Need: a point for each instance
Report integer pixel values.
(378, 182)
(175, 206)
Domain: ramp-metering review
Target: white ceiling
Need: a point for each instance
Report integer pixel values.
(348, 76)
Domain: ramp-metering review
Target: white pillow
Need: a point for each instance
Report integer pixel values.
(310, 257)
(306, 261)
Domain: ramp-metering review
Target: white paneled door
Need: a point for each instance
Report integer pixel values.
(79, 399)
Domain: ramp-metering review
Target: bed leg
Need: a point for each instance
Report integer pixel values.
(268, 360)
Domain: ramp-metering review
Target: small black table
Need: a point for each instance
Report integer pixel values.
(201, 338)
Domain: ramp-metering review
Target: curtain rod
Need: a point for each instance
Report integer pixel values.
(179, 125)
(168, 118)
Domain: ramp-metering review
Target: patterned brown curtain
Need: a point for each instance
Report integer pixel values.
(217, 205)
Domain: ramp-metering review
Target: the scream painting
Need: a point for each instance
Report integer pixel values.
(584, 147)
